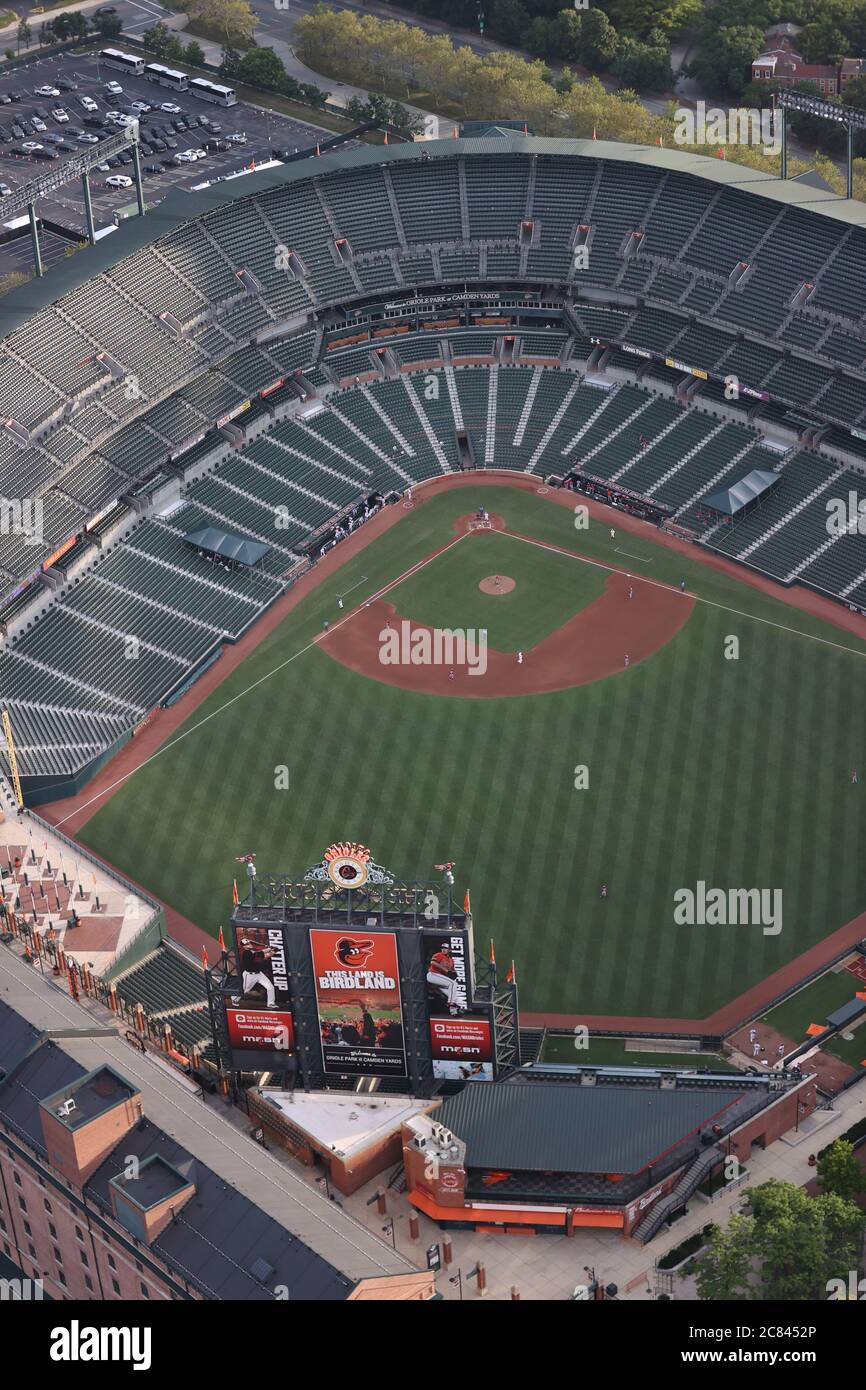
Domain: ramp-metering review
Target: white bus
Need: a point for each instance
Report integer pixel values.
(126, 62)
(210, 91)
(166, 77)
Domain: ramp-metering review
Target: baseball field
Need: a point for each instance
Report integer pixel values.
(698, 760)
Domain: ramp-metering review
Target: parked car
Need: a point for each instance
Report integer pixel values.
(43, 153)
(30, 146)
(37, 123)
(171, 142)
(184, 157)
(67, 85)
(237, 139)
(141, 106)
(65, 148)
(94, 122)
(47, 91)
(159, 146)
(216, 145)
(5, 99)
(53, 139)
(86, 138)
(171, 107)
(88, 103)
(5, 134)
(119, 181)
(5, 190)
(18, 131)
(114, 162)
(59, 115)
(114, 88)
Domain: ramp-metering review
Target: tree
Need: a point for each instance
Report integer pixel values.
(638, 65)
(724, 1268)
(568, 36)
(262, 68)
(509, 20)
(803, 1241)
(599, 40)
(156, 38)
(23, 34)
(538, 39)
(107, 23)
(194, 54)
(229, 62)
(723, 62)
(839, 1171)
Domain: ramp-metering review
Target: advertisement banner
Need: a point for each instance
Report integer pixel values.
(448, 967)
(462, 1048)
(261, 957)
(261, 1030)
(358, 996)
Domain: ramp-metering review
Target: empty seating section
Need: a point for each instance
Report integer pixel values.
(161, 981)
(560, 201)
(496, 207)
(800, 476)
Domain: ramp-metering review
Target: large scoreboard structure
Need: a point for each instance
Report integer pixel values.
(349, 973)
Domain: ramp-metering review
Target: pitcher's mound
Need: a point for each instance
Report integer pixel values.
(497, 584)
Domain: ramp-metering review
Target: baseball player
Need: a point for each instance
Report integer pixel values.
(253, 961)
(442, 975)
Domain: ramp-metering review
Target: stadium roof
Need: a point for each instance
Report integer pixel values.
(733, 499)
(230, 547)
(180, 207)
(565, 1127)
(247, 1204)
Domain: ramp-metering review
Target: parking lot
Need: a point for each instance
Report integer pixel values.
(262, 129)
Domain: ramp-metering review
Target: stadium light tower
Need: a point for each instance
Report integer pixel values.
(848, 116)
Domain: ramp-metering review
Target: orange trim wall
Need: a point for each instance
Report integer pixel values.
(529, 1216)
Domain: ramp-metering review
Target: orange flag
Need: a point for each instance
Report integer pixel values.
(235, 891)
(466, 908)
(221, 941)
(204, 960)
(511, 977)
(721, 153)
(385, 141)
(492, 953)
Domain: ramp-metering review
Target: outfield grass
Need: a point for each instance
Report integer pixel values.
(611, 1052)
(813, 1004)
(734, 772)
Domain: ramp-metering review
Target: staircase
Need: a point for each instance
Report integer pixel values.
(688, 1183)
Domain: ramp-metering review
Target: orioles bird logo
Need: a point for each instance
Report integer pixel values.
(352, 952)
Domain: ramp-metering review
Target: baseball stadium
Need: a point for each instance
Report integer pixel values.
(477, 501)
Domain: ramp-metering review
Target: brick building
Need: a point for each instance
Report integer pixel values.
(780, 62)
(98, 1201)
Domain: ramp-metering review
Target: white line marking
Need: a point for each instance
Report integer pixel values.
(696, 598)
(641, 558)
(414, 569)
(362, 580)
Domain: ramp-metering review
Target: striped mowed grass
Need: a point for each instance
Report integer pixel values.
(734, 772)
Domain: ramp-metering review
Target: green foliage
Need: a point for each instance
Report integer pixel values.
(839, 1171)
(803, 1242)
(723, 1269)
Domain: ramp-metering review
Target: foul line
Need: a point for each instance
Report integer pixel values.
(361, 581)
(644, 559)
(413, 569)
(671, 589)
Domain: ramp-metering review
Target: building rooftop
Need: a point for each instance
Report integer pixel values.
(247, 1205)
(567, 1127)
(88, 1097)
